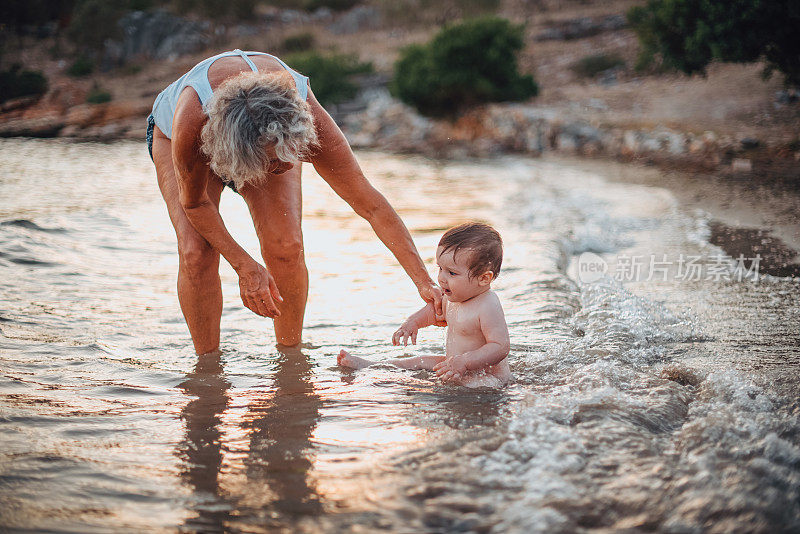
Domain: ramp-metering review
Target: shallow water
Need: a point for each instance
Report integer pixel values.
(638, 404)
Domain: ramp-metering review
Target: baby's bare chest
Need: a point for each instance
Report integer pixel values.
(463, 320)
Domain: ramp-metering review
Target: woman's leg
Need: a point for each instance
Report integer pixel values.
(199, 289)
(277, 209)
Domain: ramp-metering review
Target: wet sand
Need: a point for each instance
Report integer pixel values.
(748, 214)
(751, 213)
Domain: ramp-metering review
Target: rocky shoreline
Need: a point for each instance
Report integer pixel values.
(376, 120)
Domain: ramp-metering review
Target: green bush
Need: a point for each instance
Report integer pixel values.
(98, 96)
(83, 66)
(299, 42)
(330, 74)
(16, 82)
(591, 66)
(688, 34)
(464, 64)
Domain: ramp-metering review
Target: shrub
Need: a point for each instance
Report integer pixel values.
(330, 74)
(83, 66)
(591, 66)
(465, 64)
(688, 34)
(16, 82)
(299, 42)
(98, 96)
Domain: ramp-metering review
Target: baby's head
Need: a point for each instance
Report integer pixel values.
(469, 257)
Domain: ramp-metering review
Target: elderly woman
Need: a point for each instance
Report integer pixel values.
(246, 120)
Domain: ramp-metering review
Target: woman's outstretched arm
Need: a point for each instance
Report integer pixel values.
(335, 162)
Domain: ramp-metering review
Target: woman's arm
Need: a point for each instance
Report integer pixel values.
(335, 162)
(256, 285)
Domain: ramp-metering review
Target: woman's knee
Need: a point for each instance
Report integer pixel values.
(198, 259)
(286, 249)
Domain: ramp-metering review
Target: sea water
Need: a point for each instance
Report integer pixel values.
(640, 402)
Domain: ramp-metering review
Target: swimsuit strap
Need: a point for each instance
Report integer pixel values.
(248, 60)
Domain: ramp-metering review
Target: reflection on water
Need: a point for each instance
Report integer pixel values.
(280, 452)
(279, 420)
(637, 406)
(201, 450)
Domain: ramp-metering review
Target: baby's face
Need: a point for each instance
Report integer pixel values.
(454, 278)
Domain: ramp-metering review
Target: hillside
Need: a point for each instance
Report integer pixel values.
(732, 102)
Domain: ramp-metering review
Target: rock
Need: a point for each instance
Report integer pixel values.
(613, 22)
(64, 95)
(597, 103)
(577, 134)
(787, 96)
(245, 30)
(609, 77)
(85, 115)
(387, 122)
(157, 35)
(322, 14)
(673, 142)
(581, 27)
(19, 103)
(357, 19)
(695, 144)
(47, 126)
(741, 165)
(293, 16)
(749, 143)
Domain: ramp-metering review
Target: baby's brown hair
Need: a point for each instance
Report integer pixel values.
(482, 241)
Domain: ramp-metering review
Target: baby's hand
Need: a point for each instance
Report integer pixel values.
(404, 332)
(453, 368)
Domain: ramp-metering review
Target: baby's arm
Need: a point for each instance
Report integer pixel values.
(426, 316)
(495, 331)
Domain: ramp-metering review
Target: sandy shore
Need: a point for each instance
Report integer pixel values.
(750, 214)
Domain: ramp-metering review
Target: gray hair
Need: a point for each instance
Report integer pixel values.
(250, 113)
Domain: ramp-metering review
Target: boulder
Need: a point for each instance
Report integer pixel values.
(749, 143)
(46, 126)
(581, 27)
(157, 35)
(357, 19)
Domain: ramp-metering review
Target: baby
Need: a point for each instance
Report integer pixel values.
(469, 258)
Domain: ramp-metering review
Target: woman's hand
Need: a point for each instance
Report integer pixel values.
(258, 290)
(430, 292)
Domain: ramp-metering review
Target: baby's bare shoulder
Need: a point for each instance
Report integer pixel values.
(490, 304)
